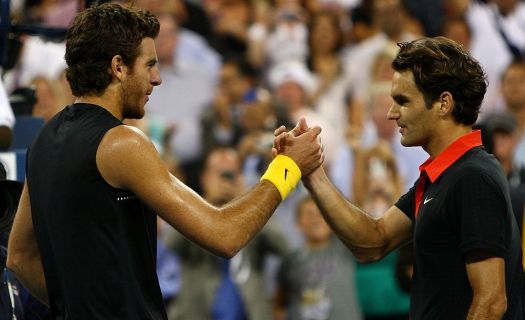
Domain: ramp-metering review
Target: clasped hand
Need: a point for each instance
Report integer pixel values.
(302, 144)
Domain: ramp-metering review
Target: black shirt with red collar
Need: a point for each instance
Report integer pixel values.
(463, 207)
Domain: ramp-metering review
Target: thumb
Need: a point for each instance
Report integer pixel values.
(300, 128)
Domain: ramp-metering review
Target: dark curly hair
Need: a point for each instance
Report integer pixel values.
(96, 35)
(440, 64)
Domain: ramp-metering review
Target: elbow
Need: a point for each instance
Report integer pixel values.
(225, 252)
(370, 247)
(368, 255)
(228, 254)
(494, 305)
(367, 258)
(226, 247)
(227, 242)
(498, 307)
(234, 248)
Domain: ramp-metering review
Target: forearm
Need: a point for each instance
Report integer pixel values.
(360, 232)
(246, 215)
(30, 273)
(250, 212)
(223, 231)
(486, 276)
(23, 255)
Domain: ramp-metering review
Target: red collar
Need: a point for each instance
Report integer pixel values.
(435, 167)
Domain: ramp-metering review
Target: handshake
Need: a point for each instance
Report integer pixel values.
(302, 144)
(295, 154)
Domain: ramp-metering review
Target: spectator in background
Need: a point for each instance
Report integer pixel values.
(215, 288)
(54, 13)
(189, 14)
(220, 121)
(362, 25)
(282, 36)
(258, 33)
(513, 93)
(339, 5)
(458, 29)
(52, 96)
(499, 133)
(189, 69)
(390, 19)
(498, 37)
(377, 185)
(230, 21)
(258, 119)
(168, 267)
(37, 57)
(331, 99)
(316, 282)
(7, 119)
(377, 182)
(502, 129)
(292, 85)
(429, 12)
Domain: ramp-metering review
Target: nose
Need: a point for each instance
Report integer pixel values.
(393, 112)
(155, 76)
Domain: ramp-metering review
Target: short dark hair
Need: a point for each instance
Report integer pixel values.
(440, 64)
(96, 35)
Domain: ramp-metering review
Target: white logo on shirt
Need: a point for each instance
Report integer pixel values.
(427, 200)
(125, 198)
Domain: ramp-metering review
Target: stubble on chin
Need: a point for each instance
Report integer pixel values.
(406, 143)
(133, 112)
(135, 116)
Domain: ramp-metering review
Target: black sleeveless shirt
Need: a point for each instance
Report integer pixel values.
(98, 243)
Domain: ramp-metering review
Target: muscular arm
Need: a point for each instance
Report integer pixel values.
(487, 279)
(127, 160)
(369, 239)
(23, 255)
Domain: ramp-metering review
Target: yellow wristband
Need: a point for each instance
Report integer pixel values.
(284, 173)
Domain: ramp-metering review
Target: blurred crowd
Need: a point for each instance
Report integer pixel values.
(232, 72)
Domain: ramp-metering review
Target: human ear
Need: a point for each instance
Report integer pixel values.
(446, 103)
(117, 67)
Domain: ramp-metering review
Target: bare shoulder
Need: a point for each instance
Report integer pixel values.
(122, 137)
(124, 150)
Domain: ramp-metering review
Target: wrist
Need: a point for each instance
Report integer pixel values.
(284, 174)
(310, 179)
